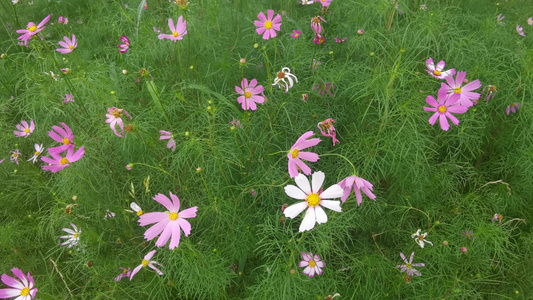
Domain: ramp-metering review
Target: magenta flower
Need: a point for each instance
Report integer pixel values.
(15, 156)
(61, 135)
(114, 117)
(305, 97)
(68, 98)
(359, 184)
(22, 289)
(68, 45)
(360, 31)
(295, 156)
(497, 217)
(338, 41)
(454, 87)
(312, 263)
(316, 26)
(324, 2)
(62, 20)
(73, 236)
(296, 34)
(437, 71)
(409, 265)
(170, 223)
(512, 108)
(177, 32)
(123, 48)
(24, 130)
(443, 108)
(58, 162)
(319, 39)
(268, 26)
(32, 30)
(126, 272)
(327, 129)
(520, 30)
(250, 94)
(147, 262)
(167, 135)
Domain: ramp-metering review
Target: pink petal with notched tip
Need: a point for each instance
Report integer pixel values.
(12, 282)
(431, 101)
(309, 156)
(175, 202)
(165, 201)
(452, 118)
(440, 65)
(151, 218)
(43, 22)
(261, 16)
(189, 212)
(185, 226)
(444, 122)
(171, 25)
(156, 229)
(175, 238)
(303, 167)
(135, 271)
(9, 293)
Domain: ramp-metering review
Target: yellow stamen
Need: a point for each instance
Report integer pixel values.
(437, 72)
(248, 94)
(500, 217)
(117, 113)
(139, 213)
(442, 109)
(76, 234)
(125, 272)
(66, 141)
(63, 161)
(313, 199)
(268, 24)
(409, 266)
(294, 153)
(25, 292)
(37, 153)
(145, 262)
(175, 34)
(32, 29)
(71, 47)
(312, 263)
(492, 88)
(173, 216)
(26, 130)
(457, 90)
(315, 20)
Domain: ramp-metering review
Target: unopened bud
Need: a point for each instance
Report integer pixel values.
(242, 61)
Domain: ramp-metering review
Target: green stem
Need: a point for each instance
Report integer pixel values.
(335, 154)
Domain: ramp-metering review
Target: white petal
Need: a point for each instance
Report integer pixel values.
(309, 220)
(334, 191)
(331, 204)
(294, 192)
(318, 180)
(303, 183)
(321, 216)
(295, 209)
(135, 207)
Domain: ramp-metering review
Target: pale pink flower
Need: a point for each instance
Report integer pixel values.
(109, 214)
(126, 272)
(312, 263)
(520, 30)
(409, 265)
(167, 135)
(443, 108)
(324, 2)
(438, 70)
(316, 26)
(497, 217)
(68, 98)
(32, 30)
(123, 48)
(68, 45)
(313, 199)
(465, 92)
(24, 130)
(170, 223)
(22, 288)
(235, 124)
(305, 97)
(58, 162)
(38, 150)
(15, 156)
(62, 20)
(358, 184)
(512, 108)
(250, 94)
(266, 25)
(296, 34)
(177, 32)
(530, 21)
(73, 236)
(327, 129)
(147, 262)
(295, 155)
(114, 117)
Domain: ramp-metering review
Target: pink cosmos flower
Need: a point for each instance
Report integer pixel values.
(319, 39)
(170, 223)
(22, 289)
(145, 5)
(62, 20)
(312, 263)
(316, 26)
(295, 156)
(126, 272)
(499, 19)
(147, 262)
(32, 30)
(235, 124)
(409, 265)
(437, 71)
(465, 92)
(24, 130)
(68, 98)
(324, 2)
(530, 21)
(38, 150)
(250, 94)
(296, 34)
(313, 200)
(177, 32)
(268, 26)
(61, 135)
(68, 45)
(512, 108)
(520, 30)
(167, 135)
(359, 184)
(58, 162)
(123, 48)
(114, 117)
(15, 156)
(73, 236)
(327, 129)
(497, 217)
(444, 107)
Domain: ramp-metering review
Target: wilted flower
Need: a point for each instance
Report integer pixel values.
(520, 30)
(109, 214)
(512, 108)
(177, 32)
(443, 108)
(38, 150)
(305, 97)
(250, 94)
(316, 26)
(327, 129)
(324, 88)
(315, 65)
(126, 272)
(114, 117)
(68, 45)
(280, 79)
(491, 89)
(500, 18)
(24, 130)
(358, 184)
(295, 155)
(167, 135)
(468, 234)
(68, 98)
(266, 25)
(22, 288)
(312, 263)
(296, 34)
(73, 236)
(123, 48)
(235, 123)
(147, 262)
(420, 239)
(438, 70)
(337, 40)
(409, 265)
(32, 30)
(497, 217)
(15, 156)
(65, 71)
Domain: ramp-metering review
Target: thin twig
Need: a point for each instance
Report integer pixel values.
(61, 275)
(498, 181)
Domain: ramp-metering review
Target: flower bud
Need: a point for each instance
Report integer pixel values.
(125, 72)
(360, 31)
(242, 62)
(464, 250)
(256, 45)
(3, 56)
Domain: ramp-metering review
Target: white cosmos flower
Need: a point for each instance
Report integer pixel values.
(285, 73)
(313, 200)
(38, 150)
(136, 208)
(420, 239)
(73, 236)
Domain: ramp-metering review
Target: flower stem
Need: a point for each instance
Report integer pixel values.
(335, 154)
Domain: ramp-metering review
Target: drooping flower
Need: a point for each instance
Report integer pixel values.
(316, 26)
(136, 208)
(177, 32)
(296, 34)
(147, 262)
(73, 236)
(491, 91)
(24, 130)
(499, 19)
(32, 30)
(324, 2)
(512, 108)
(167, 135)
(409, 265)
(437, 71)
(126, 272)
(327, 129)
(68, 45)
(420, 239)
(62, 20)
(313, 199)
(65, 71)
(468, 234)
(312, 263)
(314, 65)
(58, 163)
(123, 48)
(22, 288)
(358, 184)
(38, 150)
(497, 217)
(68, 98)
(530, 21)
(250, 94)
(295, 155)
(267, 26)
(285, 73)
(443, 109)
(170, 223)
(114, 117)
(520, 30)
(15, 156)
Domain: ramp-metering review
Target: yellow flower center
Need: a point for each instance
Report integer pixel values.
(66, 141)
(268, 24)
(294, 153)
(25, 292)
(175, 34)
(297, 35)
(315, 20)
(116, 113)
(63, 161)
(442, 109)
(437, 72)
(26, 130)
(457, 90)
(144, 263)
(173, 216)
(512, 104)
(248, 94)
(76, 234)
(125, 272)
(492, 88)
(15, 154)
(312, 263)
(313, 199)
(32, 29)
(139, 213)
(409, 266)
(71, 47)
(500, 217)
(37, 153)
